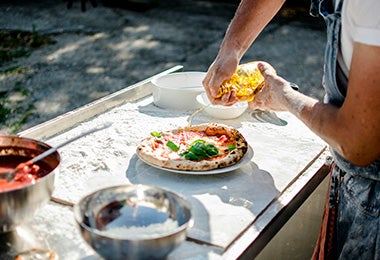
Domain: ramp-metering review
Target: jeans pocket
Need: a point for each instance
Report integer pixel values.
(363, 193)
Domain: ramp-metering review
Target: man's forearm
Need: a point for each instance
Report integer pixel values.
(250, 19)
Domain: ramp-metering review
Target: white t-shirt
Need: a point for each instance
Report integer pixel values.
(360, 23)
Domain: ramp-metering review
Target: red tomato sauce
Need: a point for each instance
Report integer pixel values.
(28, 175)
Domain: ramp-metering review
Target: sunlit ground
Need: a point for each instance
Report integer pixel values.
(88, 55)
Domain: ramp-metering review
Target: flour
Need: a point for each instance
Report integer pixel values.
(141, 232)
(108, 158)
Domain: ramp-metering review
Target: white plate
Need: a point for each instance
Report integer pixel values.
(246, 159)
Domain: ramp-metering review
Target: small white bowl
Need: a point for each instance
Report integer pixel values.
(219, 111)
(178, 91)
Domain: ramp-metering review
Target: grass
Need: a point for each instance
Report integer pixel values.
(16, 104)
(16, 43)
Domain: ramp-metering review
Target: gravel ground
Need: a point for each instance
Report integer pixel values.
(108, 48)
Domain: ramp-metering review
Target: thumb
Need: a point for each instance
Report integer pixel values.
(266, 69)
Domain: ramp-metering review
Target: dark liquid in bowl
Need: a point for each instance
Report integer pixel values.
(9, 162)
(121, 214)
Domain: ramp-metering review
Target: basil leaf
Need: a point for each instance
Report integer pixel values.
(211, 150)
(231, 147)
(199, 145)
(172, 146)
(155, 134)
(199, 149)
(197, 141)
(191, 156)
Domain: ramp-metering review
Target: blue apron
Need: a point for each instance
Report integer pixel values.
(357, 189)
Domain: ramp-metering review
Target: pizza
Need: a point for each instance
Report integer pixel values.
(194, 148)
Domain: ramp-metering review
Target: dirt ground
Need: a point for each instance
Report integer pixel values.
(94, 53)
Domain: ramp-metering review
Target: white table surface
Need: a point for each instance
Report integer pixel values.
(224, 206)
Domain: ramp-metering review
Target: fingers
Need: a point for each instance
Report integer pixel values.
(211, 88)
(206, 85)
(266, 69)
(227, 99)
(212, 83)
(217, 73)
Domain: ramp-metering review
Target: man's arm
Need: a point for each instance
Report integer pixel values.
(352, 130)
(357, 135)
(250, 19)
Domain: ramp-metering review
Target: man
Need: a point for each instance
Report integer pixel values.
(348, 119)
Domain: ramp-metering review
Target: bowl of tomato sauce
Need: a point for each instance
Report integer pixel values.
(32, 186)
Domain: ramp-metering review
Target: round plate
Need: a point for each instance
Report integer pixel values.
(246, 159)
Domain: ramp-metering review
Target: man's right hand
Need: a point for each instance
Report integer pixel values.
(220, 70)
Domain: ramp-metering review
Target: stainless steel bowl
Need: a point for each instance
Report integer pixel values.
(19, 205)
(133, 221)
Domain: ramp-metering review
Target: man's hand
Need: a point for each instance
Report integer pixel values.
(221, 69)
(273, 95)
(82, 4)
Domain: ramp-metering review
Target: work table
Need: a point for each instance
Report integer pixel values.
(235, 213)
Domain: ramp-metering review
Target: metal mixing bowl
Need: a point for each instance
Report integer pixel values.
(19, 205)
(133, 221)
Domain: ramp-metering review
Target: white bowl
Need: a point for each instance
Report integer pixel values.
(219, 111)
(178, 91)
